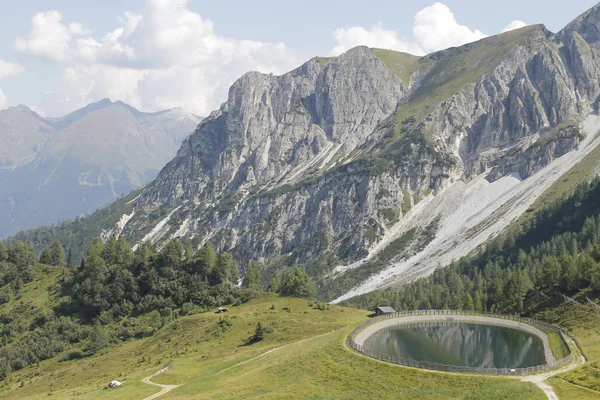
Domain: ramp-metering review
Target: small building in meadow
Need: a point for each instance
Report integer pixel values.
(221, 310)
(383, 310)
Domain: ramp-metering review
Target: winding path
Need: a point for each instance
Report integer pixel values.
(540, 379)
(165, 388)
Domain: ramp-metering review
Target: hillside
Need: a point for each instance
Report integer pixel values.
(307, 360)
(53, 169)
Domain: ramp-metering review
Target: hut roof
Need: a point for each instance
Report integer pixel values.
(385, 309)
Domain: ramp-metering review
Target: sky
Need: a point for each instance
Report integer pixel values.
(59, 55)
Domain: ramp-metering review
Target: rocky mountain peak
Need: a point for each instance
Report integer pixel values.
(587, 25)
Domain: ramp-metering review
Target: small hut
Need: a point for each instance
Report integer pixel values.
(222, 310)
(383, 310)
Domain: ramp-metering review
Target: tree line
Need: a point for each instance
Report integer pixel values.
(117, 294)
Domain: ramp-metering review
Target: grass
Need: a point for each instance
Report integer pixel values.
(401, 64)
(323, 60)
(323, 368)
(455, 68)
(558, 347)
(35, 298)
(309, 360)
(566, 390)
(584, 325)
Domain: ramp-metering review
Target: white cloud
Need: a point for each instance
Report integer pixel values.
(434, 28)
(377, 36)
(514, 25)
(9, 69)
(48, 37)
(166, 56)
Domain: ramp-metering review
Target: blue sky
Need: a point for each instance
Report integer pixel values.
(187, 52)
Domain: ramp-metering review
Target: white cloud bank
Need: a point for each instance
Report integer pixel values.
(434, 28)
(169, 56)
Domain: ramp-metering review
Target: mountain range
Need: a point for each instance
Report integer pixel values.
(53, 169)
(375, 167)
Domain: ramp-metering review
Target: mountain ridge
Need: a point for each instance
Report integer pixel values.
(91, 155)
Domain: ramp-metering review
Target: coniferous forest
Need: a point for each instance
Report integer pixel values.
(116, 294)
(555, 252)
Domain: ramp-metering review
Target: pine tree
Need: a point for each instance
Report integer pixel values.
(226, 269)
(98, 339)
(206, 260)
(57, 254)
(70, 259)
(3, 251)
(252, 278)
(189, 252)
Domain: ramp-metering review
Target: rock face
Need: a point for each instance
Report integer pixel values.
(328, 159)
(53, 169)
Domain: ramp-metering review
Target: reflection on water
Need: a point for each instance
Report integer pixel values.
(456, 343)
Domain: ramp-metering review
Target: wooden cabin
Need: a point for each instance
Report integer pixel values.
(383, 310)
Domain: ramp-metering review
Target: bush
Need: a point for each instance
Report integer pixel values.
(258, 336)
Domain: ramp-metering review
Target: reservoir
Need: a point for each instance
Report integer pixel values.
(461, 344)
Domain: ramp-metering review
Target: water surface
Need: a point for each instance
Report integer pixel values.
(457, 343)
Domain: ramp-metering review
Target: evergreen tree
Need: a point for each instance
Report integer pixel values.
(45, 257)
(3, 251)
(226, 270)
(189, 252)
(98, 339)
(258, 336)
(296, 283)
(206, 260)
(21, 254)
(57, 254)
(252, 278)
(70, 259)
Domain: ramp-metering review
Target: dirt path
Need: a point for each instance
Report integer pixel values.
(540, 380)
(165, 388)
(168, 388)
(271, 351)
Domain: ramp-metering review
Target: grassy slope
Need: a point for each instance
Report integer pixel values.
(37, 297)
(583, 324)
(401, 64)
(310, 362)
(455, 68)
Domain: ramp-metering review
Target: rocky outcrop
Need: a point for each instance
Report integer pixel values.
(273, 129)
